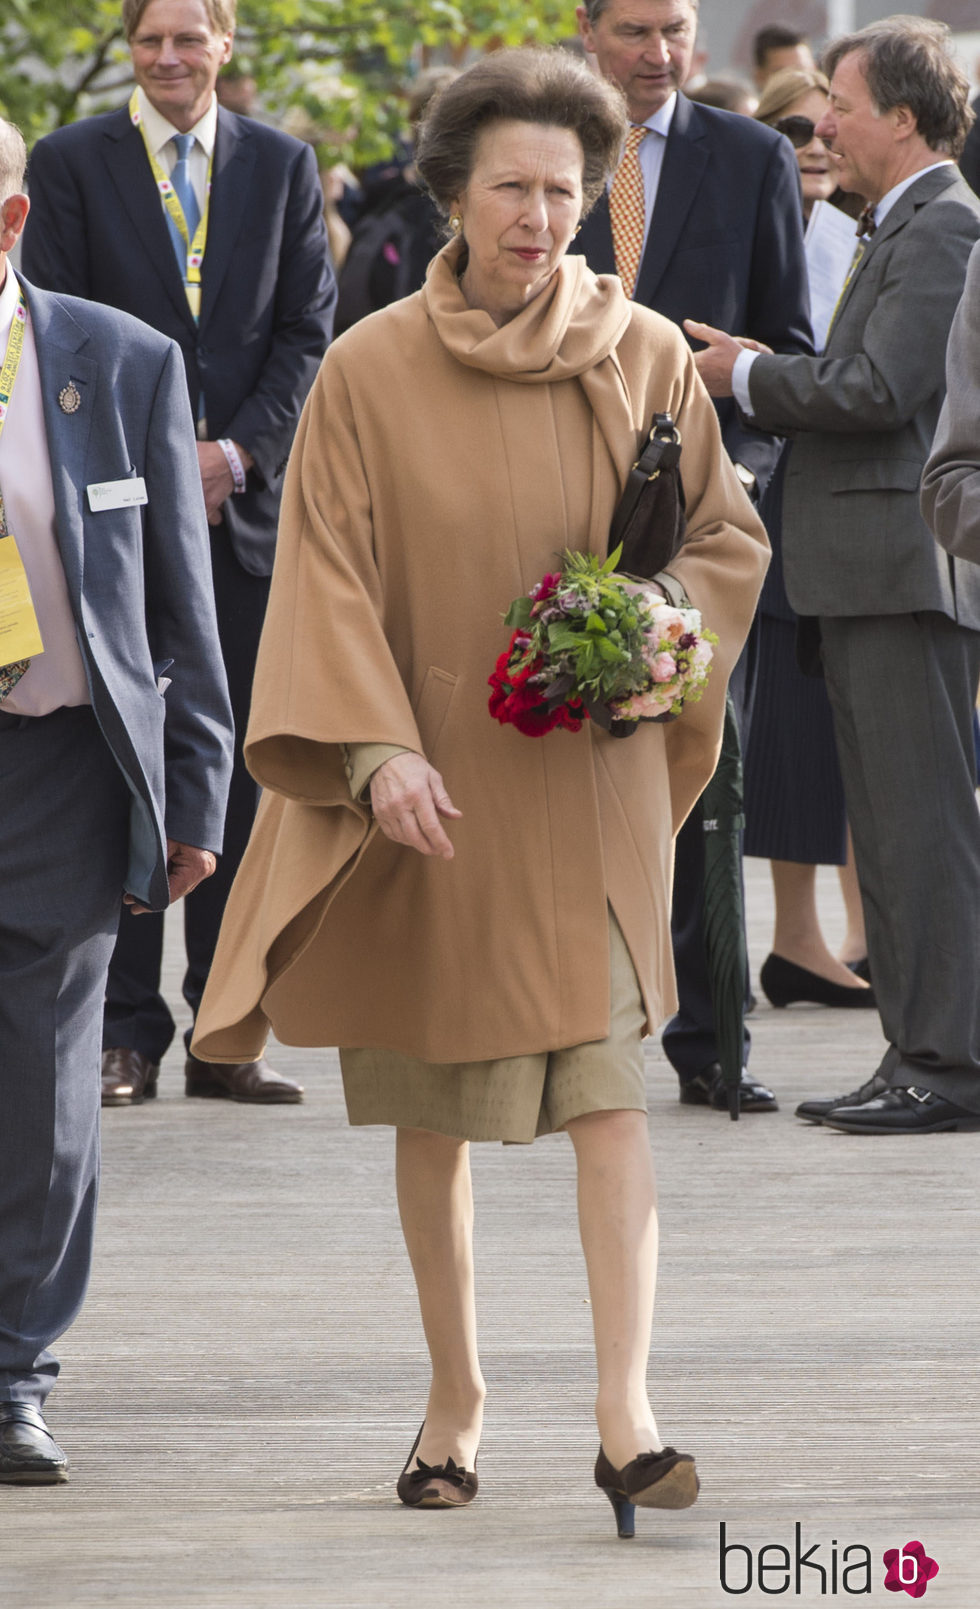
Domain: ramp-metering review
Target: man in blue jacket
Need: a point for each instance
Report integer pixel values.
(704, 212)
(209, 227)
(115, 754)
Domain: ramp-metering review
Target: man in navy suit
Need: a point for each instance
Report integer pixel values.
(115, 754)
(722, 229)
(209, 227)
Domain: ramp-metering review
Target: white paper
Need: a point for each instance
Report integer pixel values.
(831, 241)
(117, 494)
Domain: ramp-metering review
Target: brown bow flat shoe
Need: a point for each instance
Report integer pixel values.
(445, 1485)
(666, 1479)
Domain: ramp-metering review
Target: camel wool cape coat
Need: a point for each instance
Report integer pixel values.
(440, 466)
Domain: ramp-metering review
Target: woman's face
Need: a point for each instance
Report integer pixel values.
(520, 209)
(817, 175)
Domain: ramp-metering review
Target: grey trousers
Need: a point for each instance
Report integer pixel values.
(902, 689)
(64, 822)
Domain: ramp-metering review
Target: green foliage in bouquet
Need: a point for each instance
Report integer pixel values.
(586, 624)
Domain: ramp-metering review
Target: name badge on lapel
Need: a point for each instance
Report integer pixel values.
(108, 494)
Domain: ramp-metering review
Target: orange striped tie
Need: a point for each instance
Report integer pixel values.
(627, 212)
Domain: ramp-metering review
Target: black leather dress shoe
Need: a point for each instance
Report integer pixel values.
(29, 1454)
(707, 1088)
(128, 1077)
(903, 1110)
(253, 1081)
(861, 969)
(815, 1111)
(786, 984)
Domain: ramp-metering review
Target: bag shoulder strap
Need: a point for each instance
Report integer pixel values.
(661, 451)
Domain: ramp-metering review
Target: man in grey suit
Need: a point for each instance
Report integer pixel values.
(899, 621)
(951, 484)
(115, 755)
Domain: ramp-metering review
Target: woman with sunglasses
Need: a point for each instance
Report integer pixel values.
(794, 797)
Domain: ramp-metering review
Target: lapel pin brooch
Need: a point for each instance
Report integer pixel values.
(69, 398)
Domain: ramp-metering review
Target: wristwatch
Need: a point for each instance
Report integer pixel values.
(749, 482)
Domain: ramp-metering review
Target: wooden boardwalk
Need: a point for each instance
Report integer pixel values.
(247, 1376)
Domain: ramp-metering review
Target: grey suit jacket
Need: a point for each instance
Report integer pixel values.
(139, 578)
(863, 416)
(951, 484)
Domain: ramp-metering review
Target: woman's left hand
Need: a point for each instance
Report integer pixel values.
(408, 797)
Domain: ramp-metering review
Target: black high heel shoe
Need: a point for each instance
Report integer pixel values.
(445, 1485)
(784, 984)
(666, 1479)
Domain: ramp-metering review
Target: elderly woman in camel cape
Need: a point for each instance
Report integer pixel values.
(477, 918)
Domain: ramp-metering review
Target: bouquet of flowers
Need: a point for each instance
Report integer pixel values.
(589, 644)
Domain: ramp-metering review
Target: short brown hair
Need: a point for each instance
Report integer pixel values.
(907, 62)
(776, 37)
(221, 15)
(595, 8)
(532, 85)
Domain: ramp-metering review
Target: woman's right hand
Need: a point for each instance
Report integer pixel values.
(408, 797)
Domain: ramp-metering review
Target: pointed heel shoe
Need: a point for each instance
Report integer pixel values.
(445, 1485)
(666, 1479)
(786, 984)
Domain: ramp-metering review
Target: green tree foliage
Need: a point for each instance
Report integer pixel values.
(344, 63)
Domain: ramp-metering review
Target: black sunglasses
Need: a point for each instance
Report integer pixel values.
(798, 130)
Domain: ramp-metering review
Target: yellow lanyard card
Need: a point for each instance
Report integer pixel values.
(20, 635)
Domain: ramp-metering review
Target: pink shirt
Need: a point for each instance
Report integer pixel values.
(57, 676)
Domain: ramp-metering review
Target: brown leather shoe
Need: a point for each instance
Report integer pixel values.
(128, 1077)
(240, 1081)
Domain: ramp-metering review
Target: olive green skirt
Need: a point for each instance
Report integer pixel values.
(516, 1098)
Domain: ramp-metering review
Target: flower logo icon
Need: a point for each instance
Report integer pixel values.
(909, 1569)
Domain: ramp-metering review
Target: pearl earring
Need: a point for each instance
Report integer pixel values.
(455, 223)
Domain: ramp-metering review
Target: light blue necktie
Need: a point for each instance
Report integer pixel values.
(180, 178)
(184, 190)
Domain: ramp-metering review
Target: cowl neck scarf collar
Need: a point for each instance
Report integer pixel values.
(569, 328)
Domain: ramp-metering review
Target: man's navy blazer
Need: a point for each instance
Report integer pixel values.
(97, 229)
(725, 246)
(139, 578)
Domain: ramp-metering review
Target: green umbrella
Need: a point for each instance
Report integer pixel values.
(724, 914)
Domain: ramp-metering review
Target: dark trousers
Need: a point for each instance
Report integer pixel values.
(902, 689)
(689, 1038)
(64, 831)
(136, 1014)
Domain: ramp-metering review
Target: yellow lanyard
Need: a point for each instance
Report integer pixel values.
(194, 248)
(859, 252)
(8, 374)
(11, 362)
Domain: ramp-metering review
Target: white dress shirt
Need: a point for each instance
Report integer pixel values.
(745, 360)
(57, 676)
(160, 135)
